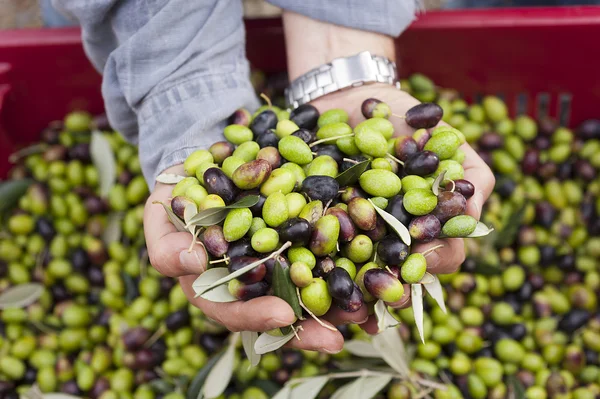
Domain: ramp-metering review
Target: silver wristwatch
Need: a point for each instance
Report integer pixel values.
(341, 73)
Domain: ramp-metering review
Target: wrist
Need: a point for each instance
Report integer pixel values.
(311, 43)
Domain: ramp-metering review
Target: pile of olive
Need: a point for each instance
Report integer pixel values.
(341, 249)
(88, 332)
(523, 310)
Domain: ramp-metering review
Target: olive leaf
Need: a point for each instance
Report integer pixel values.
(283, 393)
(20, 296)
(268, 343)
(160, 385)
(351, 175)
(435, 187)
(113, 231)
(11, 191)
(515, 387)
(58, 395)
(394, 223)
(269, 387)
(26, 151)
(427, 278)
(362, 387)
(189, 212)
(309, 389)
(434, 288)
(390, 347)
(248, 340)
(481, 230)
(221, 293)
(385, 319)
(416, 293)
(195, 388)
(241, 271)
(218, 378)
(103, 159)
(131, 290)
(284, 288)
(361, 348)
(169, 178)
(211, 216)
(179, 225)
(508, 234)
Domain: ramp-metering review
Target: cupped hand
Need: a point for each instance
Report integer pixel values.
(451, 254)
(169, 253)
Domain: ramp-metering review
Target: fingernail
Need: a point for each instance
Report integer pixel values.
(276, 323)
(331, 352)
(363, 321)
(191, 261)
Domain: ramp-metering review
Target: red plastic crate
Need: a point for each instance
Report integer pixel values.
(541, 60)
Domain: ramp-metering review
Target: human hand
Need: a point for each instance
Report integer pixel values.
(168, 252)
(450, 256)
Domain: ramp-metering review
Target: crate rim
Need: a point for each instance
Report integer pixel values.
(484, 18)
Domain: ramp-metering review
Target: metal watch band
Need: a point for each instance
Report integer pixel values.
(341, 73)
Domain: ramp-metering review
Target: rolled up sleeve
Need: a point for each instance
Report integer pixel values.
(173, 71)
(389, 17)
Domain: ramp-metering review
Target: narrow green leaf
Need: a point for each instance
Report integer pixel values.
(284, 288)
(350, 176)
(487, 269)
(309, 389)
(515, 386)
(219, 377)
(211, 216)
(390, 347)
(59, 396)
(268, 343)
(26, 151)
(435, 187)
(196, 385)
(417, 305)
(20, 296)
(361, 348)
(248, 340)
(394, 223)
(11, 191)
(385, 319)
(104, 160)
(434, 287)
(481, 230)
(219, 294)
(268, 386)
(173, 217)
(161, 386)
(508, 234)
(131, 290)
(169, 178)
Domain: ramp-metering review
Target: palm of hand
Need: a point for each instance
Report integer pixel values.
(168, 248)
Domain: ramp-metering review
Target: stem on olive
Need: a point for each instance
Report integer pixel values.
(267, 99)
(332, 138)
(311, 313)
(393, 158)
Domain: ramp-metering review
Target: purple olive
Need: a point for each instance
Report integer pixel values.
(404, 147)
(449, 204)
(425, 228)
(214, 241)
(424, 116)
(250, 277)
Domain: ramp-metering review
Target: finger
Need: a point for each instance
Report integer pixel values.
(337, 316)
(315, 337)
(243, 315)
(370, 326)
(446, 259)
(478, 173)
(168, 249)
(403, 302)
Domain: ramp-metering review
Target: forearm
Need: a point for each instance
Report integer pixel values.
(311, 43)
(174, 70)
